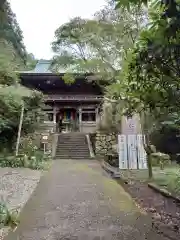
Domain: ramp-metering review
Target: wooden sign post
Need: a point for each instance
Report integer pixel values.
(44, 140)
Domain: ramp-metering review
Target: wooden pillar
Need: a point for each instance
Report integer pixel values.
(54, 118)
(97, 114)
(54, 114)
(80, 118)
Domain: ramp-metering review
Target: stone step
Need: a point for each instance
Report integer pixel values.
(72, 157)
(72, 143)
(72, 146)
(72, 152)
(73, 149)
(71, 140)
(71, 137)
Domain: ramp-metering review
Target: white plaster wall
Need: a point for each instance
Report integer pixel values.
(88, 127)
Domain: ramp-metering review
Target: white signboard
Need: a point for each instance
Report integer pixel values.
(142, 157)
(131, 152)
(122, 148)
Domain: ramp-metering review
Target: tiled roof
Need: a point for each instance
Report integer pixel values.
(43, 66)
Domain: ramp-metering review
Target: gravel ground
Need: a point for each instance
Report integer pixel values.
(165, 212)
(16, 186)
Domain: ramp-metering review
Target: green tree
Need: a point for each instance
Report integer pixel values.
(97, 45)
(150, 75)
(31, 61)
(10, 30)
(12, 95)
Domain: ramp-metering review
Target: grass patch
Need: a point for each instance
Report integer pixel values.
(168, 178)
(140, 175)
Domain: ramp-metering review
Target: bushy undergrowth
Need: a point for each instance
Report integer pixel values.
(8, 217)
(30, 156)
(36, 161)
(169, 179)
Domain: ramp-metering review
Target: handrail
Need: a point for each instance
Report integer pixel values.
(90, 146)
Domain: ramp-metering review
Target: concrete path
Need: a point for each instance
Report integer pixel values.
(76, 200)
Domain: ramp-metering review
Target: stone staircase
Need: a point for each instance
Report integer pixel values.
(72, 146)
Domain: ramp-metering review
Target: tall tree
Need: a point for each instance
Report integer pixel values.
(31, 61)
(152, 71)
(12, 95)
(97, 45)
(10, 30)
(150, 75)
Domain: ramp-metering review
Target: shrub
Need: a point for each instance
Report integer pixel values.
(29, 155)
(166, 138)
(11, 161)
(7, 217)
(33, 162)
(160, 159)
(28, 146)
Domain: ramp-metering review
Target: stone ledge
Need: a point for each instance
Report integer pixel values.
(163, 191)
(114, 172)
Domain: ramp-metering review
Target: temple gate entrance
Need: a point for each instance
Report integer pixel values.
(69, 118)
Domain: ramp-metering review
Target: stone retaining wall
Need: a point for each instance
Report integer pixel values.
(105, 143)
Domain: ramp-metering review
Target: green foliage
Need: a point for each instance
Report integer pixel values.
(151, 73)
(169, 178)
(175, 183)
(36, 160)
(8, 63)
(110, 120)
(30, 155)
(97, 45)
(7, 217)
(31, 62)
(68, 78)
(129, 3)
(11, 99)
(160, 159)
(12, 95)
(10, 30)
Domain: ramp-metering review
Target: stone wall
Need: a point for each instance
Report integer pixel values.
(105, 143)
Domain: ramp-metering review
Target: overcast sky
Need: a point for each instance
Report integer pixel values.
(39, 19)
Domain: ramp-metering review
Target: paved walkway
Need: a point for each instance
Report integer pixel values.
(76, 200)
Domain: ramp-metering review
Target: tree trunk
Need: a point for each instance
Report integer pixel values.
(149, 163)
(19, 130)
(147, 146)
